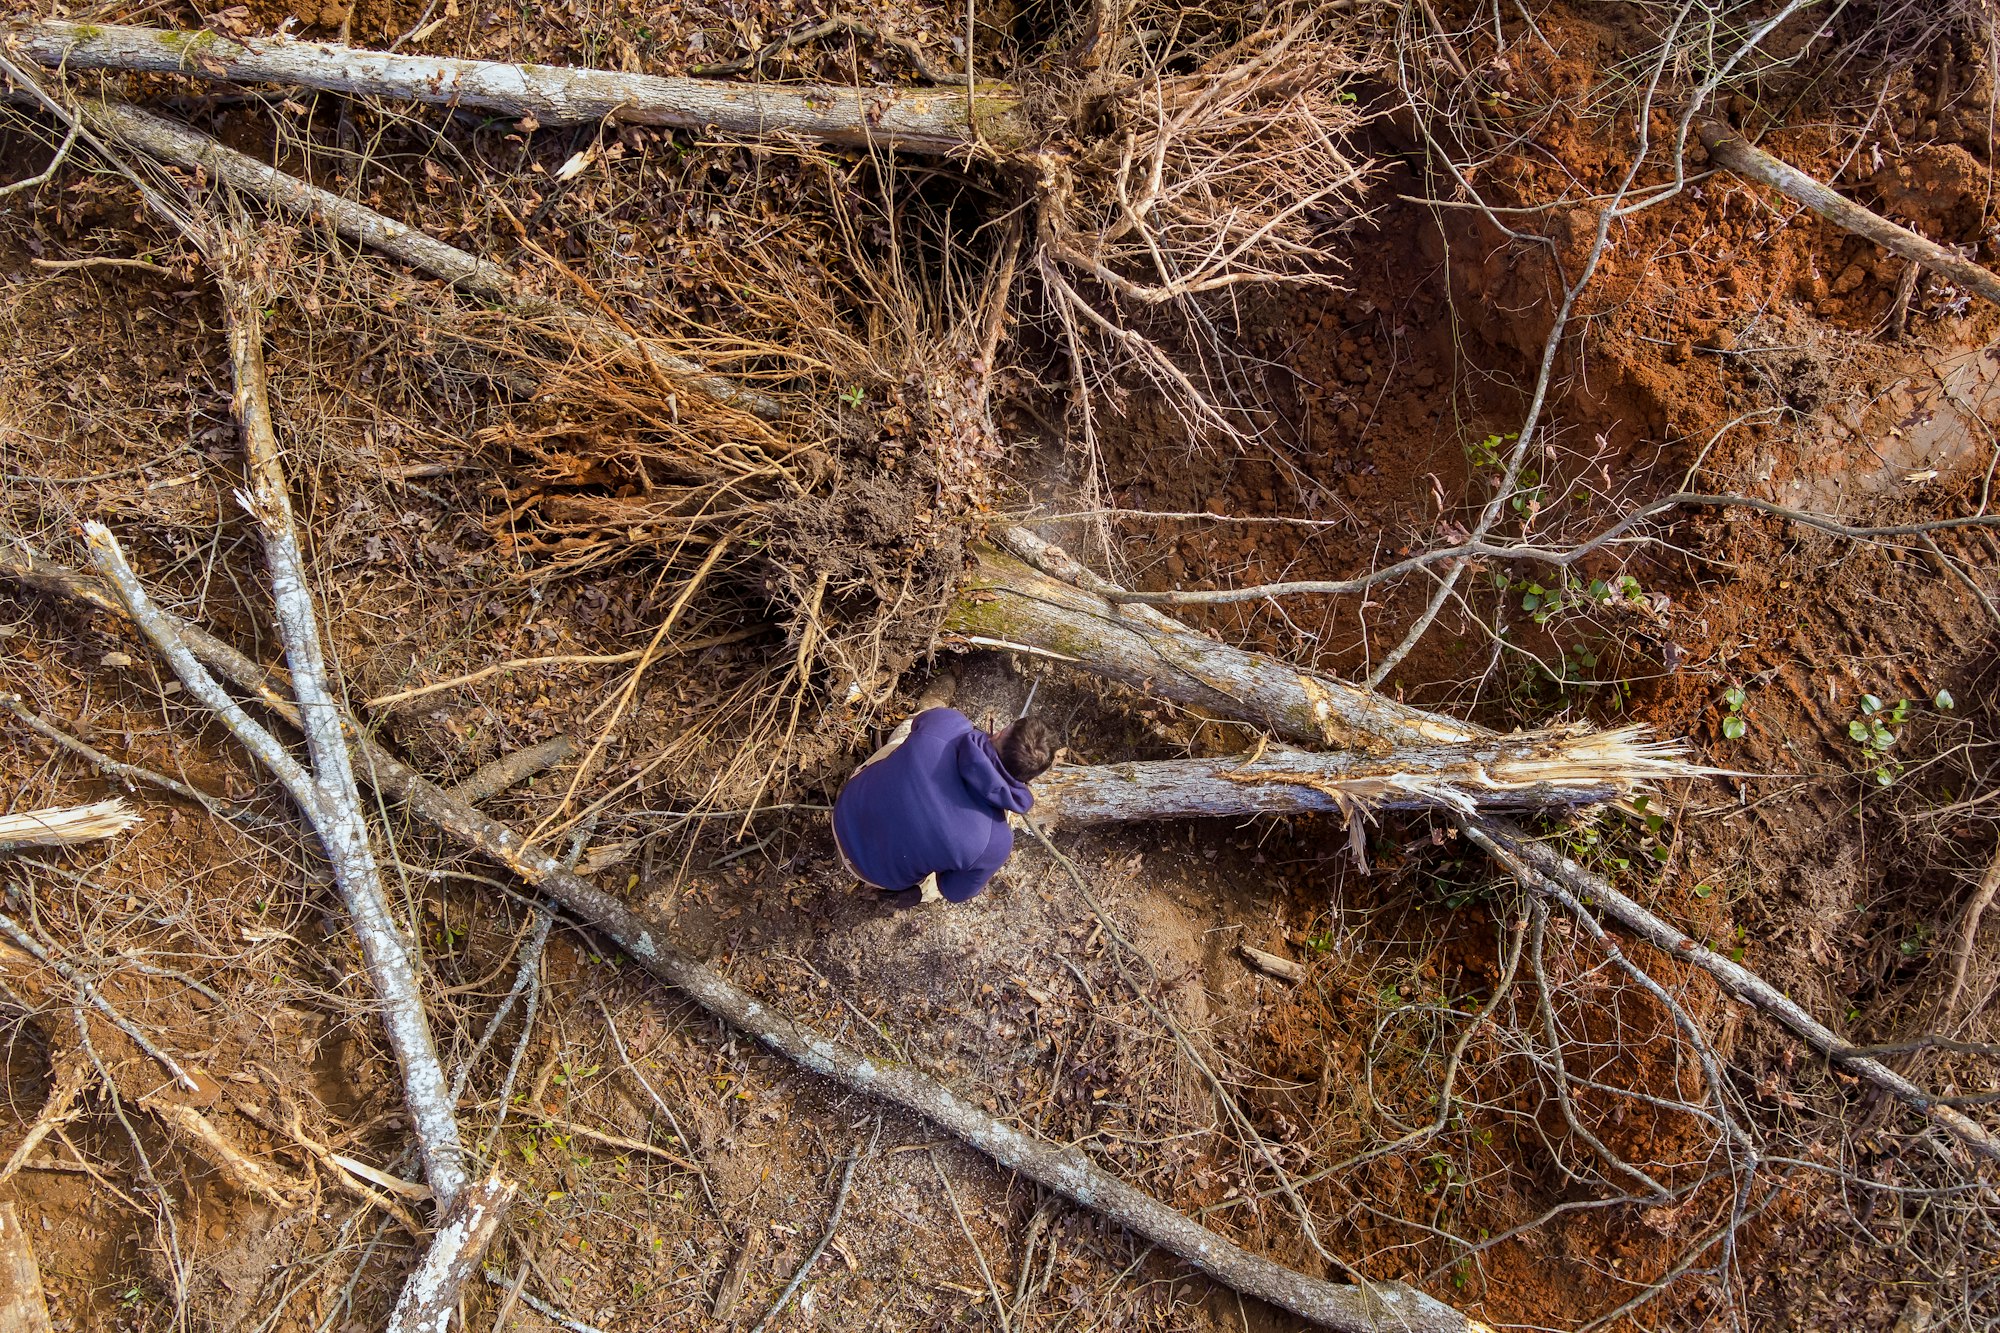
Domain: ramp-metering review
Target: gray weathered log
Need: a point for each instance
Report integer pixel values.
(1530, 771)
(176, 144)
(431, 1294)
(1728, 149)
(1287, 709)
(1006, 603)
(1376, 1308)
(934, 121)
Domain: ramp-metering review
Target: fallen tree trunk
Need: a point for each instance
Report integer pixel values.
(1523, 772)
(938, 122)
(1374, 1308)
(1288, 709)
(431, 1296)
(1005, 603)
(1728, 149)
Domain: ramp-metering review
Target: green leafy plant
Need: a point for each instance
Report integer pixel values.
(1734, 724)
(1875, 731)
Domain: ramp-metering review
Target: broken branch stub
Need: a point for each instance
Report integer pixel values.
(930, 121)
(66, 826)
(430, 1296)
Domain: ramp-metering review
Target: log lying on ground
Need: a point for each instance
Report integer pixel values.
(431, 1296)
(1530, 771)
(938, 122)
(1005, 603)
(1728, 149)
(1374, 1308)
(1287, 709)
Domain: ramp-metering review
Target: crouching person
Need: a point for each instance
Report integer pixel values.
(926, 816)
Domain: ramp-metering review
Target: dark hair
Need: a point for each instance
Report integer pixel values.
(1027, 748)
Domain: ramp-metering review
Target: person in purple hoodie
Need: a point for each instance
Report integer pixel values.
(928, 811)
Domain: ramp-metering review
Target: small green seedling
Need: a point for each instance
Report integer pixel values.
(1734, 724)
(1875, 731)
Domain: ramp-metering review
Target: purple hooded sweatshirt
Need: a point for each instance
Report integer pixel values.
(937, 804)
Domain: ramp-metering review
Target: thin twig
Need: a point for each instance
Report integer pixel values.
(81, 985)
(104, 762)
(1481, 549)
(826, 1237)
(965, 1228)
(1968, 931)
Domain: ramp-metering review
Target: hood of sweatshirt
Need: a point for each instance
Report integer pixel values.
(979, 767)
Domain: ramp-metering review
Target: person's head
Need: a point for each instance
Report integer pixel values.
(1026, 748)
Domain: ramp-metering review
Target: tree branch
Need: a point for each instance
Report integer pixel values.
(336, 815)
(1726, 148)
(916, 121)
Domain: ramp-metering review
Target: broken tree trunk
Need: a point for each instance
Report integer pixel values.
(65, 826)
(1728, 149)
(940, 121)
(431, 1296)
(1529, 771)
(1006, 604)
(1288, 710)
(1387, 753)
(1386, 1307)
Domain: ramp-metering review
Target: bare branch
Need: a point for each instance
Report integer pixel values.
(916, 121)
(430, 1297)
(1726, 148)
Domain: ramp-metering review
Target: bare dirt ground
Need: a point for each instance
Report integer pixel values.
(1728, 339)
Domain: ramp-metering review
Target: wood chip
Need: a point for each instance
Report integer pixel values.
(1270, 964)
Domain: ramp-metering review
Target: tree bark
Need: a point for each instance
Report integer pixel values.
(1521, 772)
(430, 1296)
(1005, 603)
(1727, 149)
(1374, 1308)
(938, 122)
